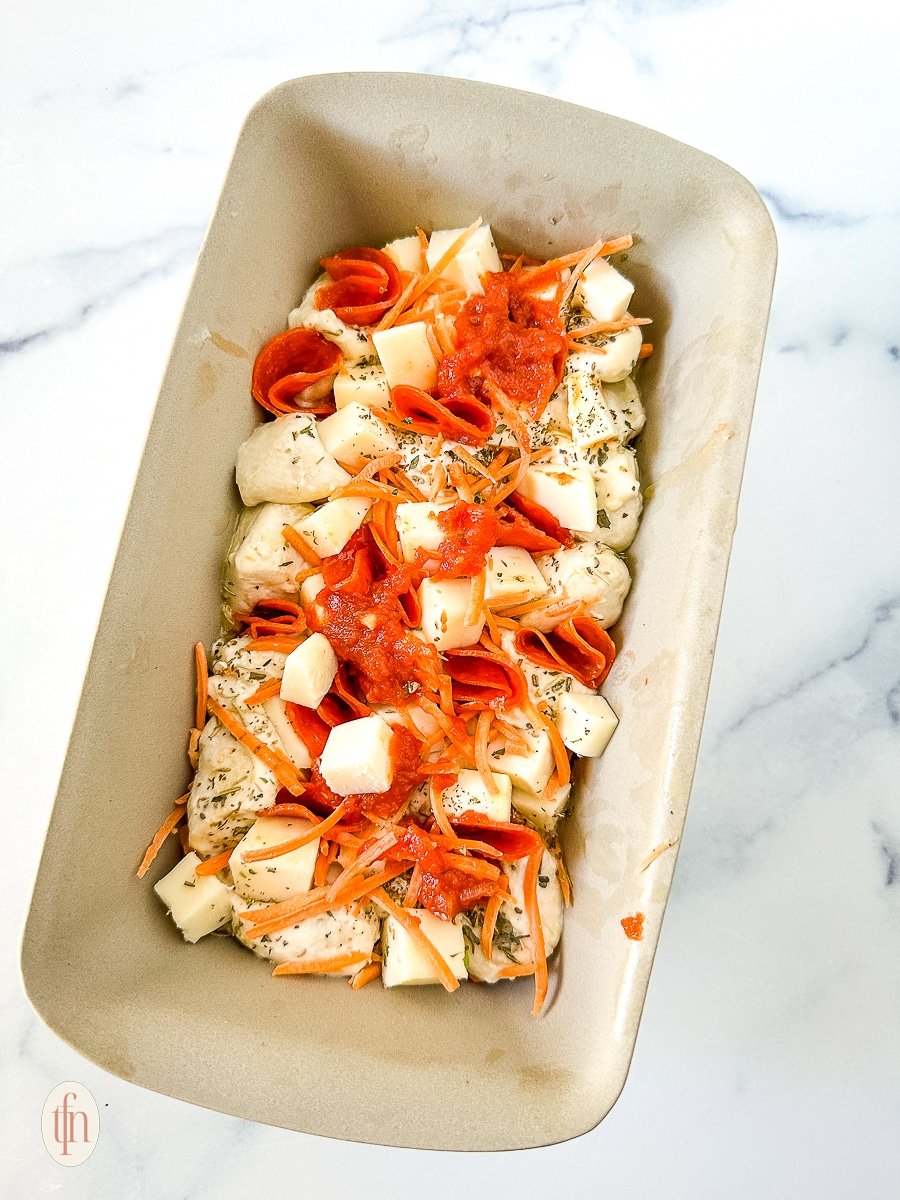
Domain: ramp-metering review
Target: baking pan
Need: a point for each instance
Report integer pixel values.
(352, 159)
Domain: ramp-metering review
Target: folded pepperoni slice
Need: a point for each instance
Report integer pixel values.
(517, 530)
(579, 646)
(309, 727)
(291, 364)
(479, 677)
(459, 417)
(512, 841)
(366, 283)
(541, 518)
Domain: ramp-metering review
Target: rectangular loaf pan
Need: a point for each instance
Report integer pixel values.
(357, 159)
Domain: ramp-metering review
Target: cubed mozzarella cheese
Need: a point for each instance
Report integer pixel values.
(512, 577)
(353, 433)
(545, 810)
(530, 768)
(470, 793)
(418, 527)
(475, 258)
(600, 412)
(278, 878)
(198, 904)
(331, 525)
(566, 492)
(406, 252)
(230, 786)
(309, 672)
(604, 292)
(406, 355)
(326, 936)
(353, 343)
(365, 383)
(262, 565)
(310, 588)
(585, 724)
(293, 745)
(405, 963)
(357, 757)
(445, 607)
(284, 461)
(591, 573)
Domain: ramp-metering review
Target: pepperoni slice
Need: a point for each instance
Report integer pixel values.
(479, 677)
(308, 726)
(459, 417)
(365, 284)
(541, 518)
(513, 841)
(290, 364)
(579, 646)
(517, 530)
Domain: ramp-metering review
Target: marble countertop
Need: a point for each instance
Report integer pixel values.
(769, 1055)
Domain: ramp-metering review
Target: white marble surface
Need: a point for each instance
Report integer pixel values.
(768, 1062)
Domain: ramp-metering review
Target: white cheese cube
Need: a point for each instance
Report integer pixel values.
(278, 878)
(604, 292)
(445, 603)
(406, 355)
(330, 527)
(353, 343)
(406, 253)
(353, 433)
(600, 412)
(545, 810)
(530, 769)
(418, 528)
(566, 492)
(263, 565)
(198, 904)
(294, 747)
(405, 963)
(284, 461)
(365, 383)
(310, 588)
(585, 724)
(309, 672)
(357, 757)
(477, 256)
(470, 793)
(512, 577)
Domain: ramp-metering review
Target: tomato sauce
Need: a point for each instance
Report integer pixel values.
(634, 926)
(513, 337)
(472, 530)
(370, 633)
(443, 890)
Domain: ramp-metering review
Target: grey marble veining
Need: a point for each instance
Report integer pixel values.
(769, 1056)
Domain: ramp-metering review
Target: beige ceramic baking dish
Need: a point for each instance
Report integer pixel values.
(350, 159)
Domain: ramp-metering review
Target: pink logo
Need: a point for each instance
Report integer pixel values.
(70, 1124)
